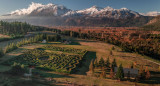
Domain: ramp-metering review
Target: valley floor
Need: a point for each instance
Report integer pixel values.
(96, 49)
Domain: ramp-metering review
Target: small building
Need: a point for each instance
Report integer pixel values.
(44, 41)
(133, 72)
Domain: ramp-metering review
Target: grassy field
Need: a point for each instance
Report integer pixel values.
(96, 49)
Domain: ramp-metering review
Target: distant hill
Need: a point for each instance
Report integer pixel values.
(153, 24)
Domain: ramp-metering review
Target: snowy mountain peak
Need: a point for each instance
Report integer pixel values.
(40, 9)
(27, 11)
(90, 10)
(125, 9)
(108, 8)
(95, 7)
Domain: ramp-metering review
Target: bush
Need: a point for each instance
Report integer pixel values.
(17, 69)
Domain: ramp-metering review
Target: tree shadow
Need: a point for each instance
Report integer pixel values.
(46, 74)
(85, 40)
(155, 78)
(75, 43)
(83, 66)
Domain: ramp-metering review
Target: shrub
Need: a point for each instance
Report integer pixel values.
(17, 69)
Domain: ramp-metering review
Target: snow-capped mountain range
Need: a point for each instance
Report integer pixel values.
(37, 9)
(59, 15)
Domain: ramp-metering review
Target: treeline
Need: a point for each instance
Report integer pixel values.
(111, 67)
(145, 47)
(12, 46)
(16, 29)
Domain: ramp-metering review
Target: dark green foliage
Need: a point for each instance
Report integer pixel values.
(53, 38)
(101, 62)
(120, 73)
(95, 63)
(114, 64)
(1, 52)
(17, 69)
(19, 29)
(10, 47)
(107, 63)
(13, 46)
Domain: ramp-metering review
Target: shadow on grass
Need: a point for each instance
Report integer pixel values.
(51, 43)
(46, 74)
(75, 43)
(86, 40)
(83, 66)
(155, 78)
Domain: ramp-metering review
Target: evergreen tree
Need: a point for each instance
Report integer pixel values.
(17, 70)
(120, 73)
(114, 64)
(107, 63)
(101, 62)
(1, 52)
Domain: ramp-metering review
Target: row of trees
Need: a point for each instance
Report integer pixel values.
(119, 74)
(12, 46)
(19, 29)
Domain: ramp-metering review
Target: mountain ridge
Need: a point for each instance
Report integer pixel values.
(37, 9)
(58, 15)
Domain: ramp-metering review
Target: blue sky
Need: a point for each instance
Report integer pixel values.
(143, 6)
